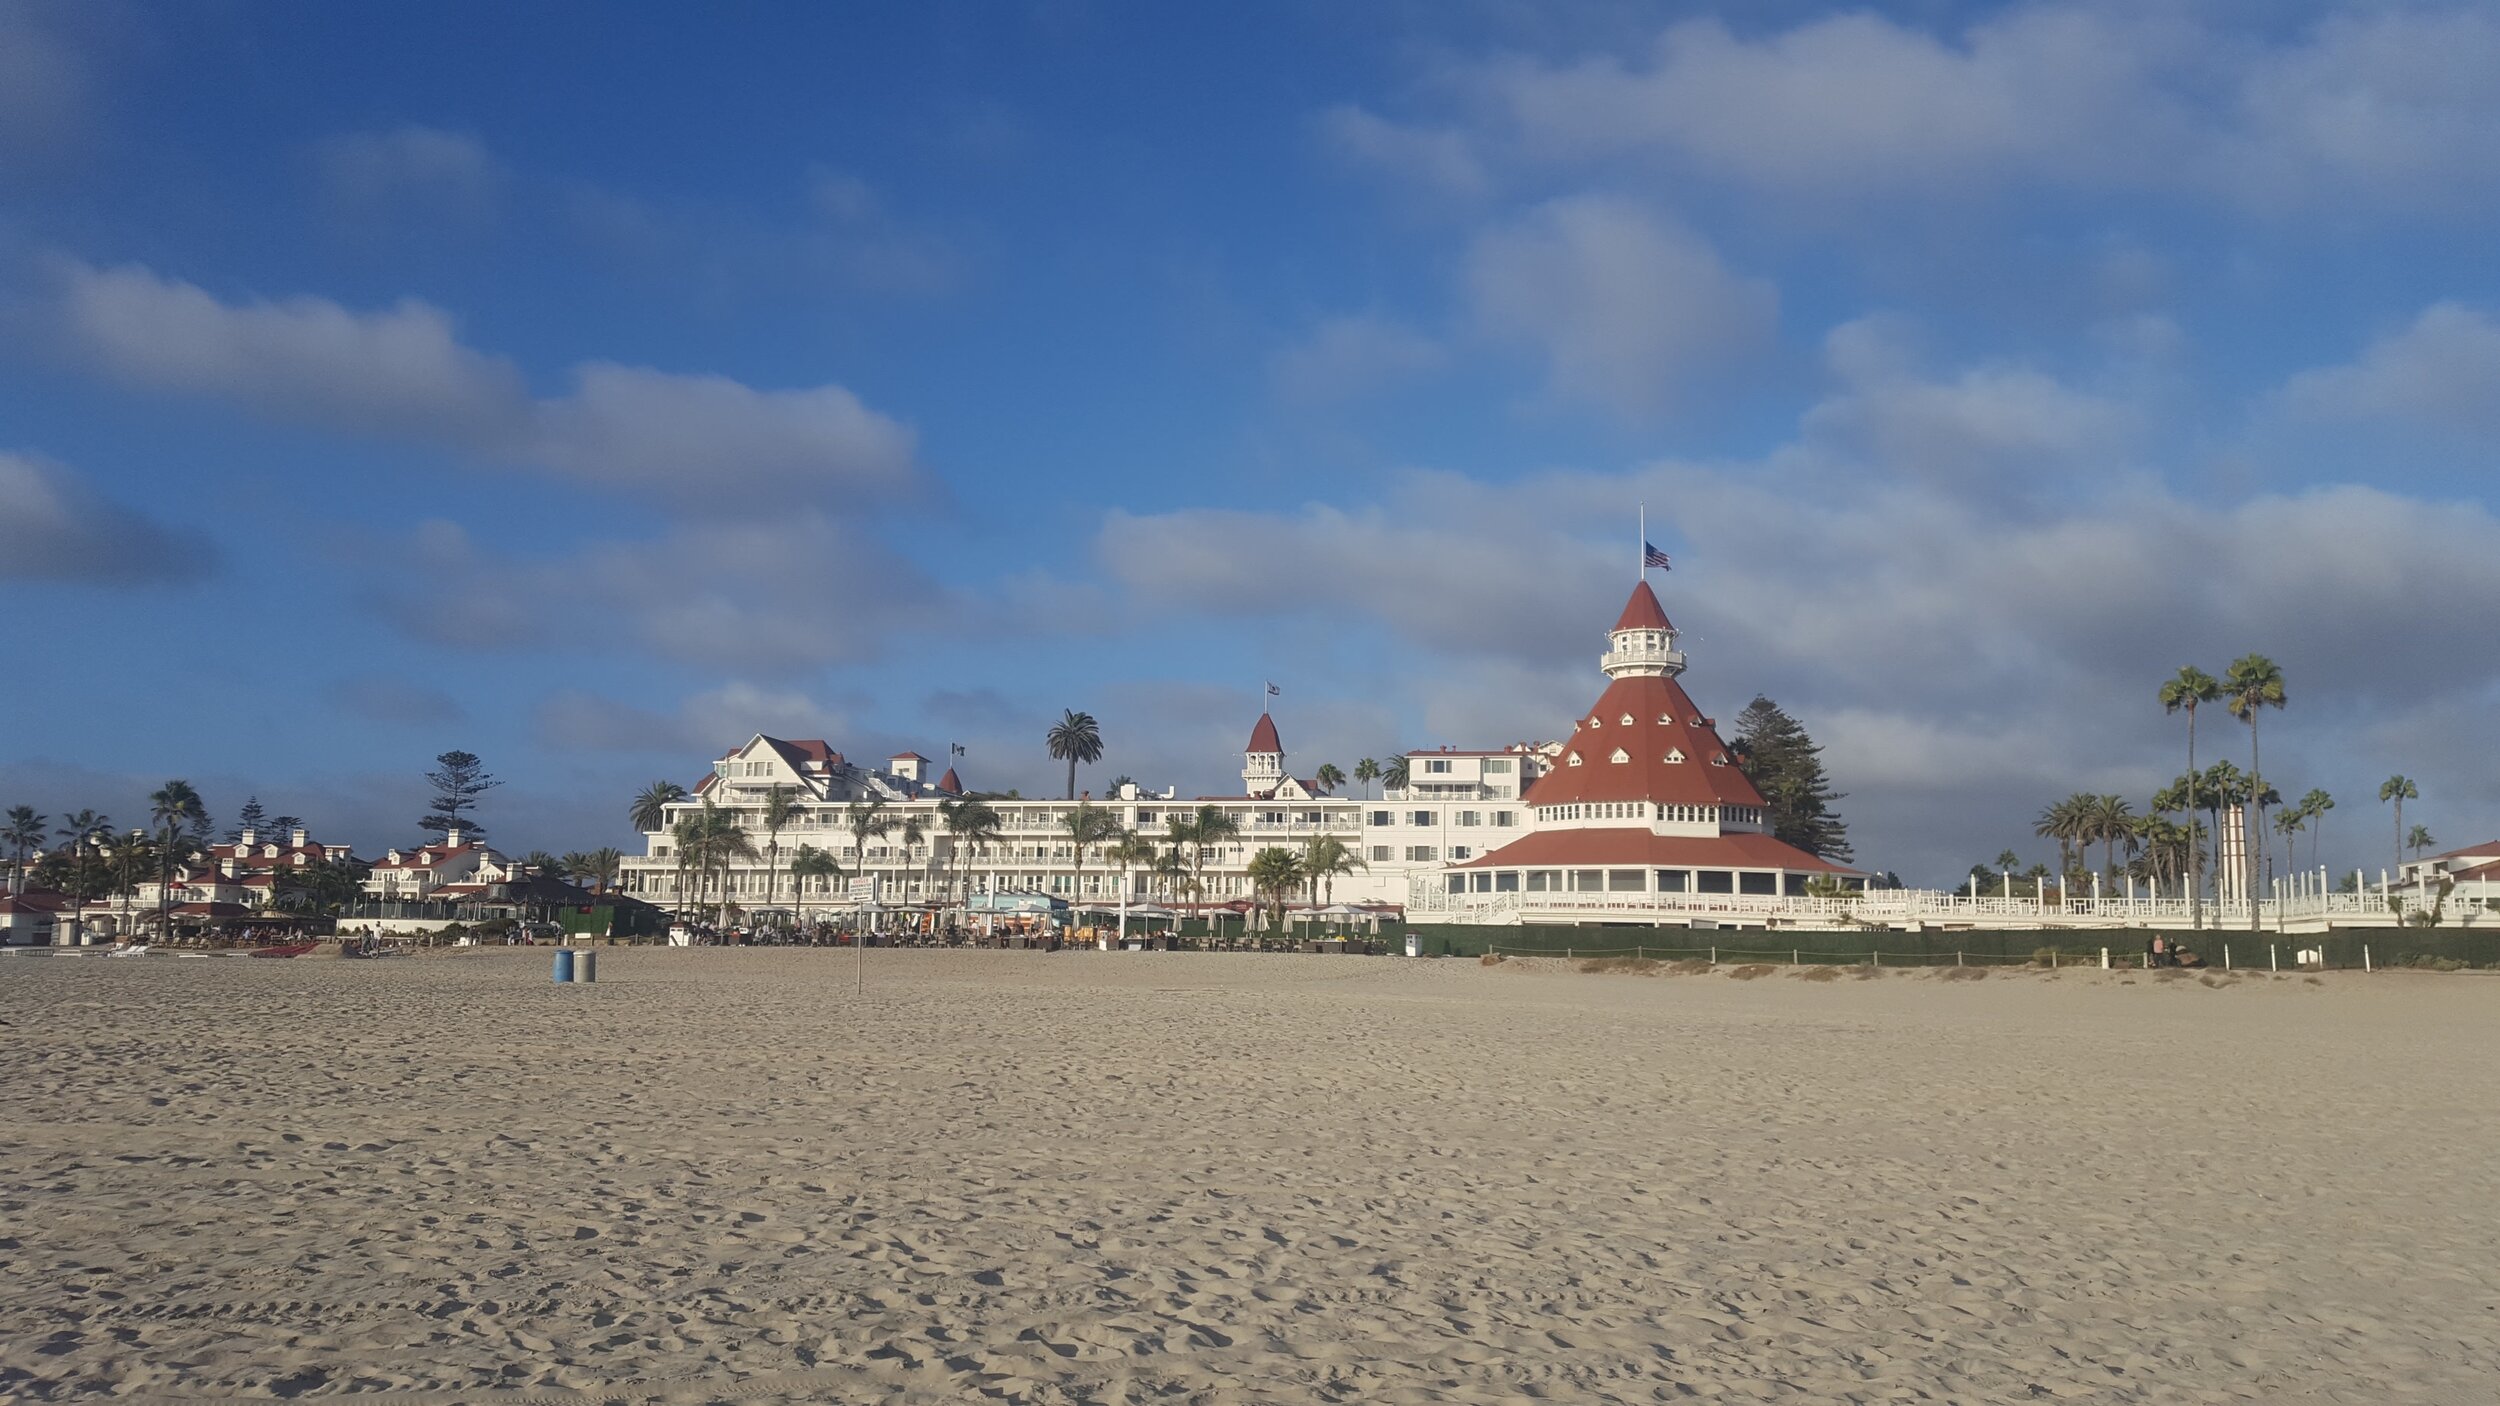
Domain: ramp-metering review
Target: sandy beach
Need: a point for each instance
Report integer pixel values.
(719, 1175)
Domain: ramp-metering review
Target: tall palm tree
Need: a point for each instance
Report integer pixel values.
(808, 862)
(2419, 840)
(723, 841)
(2065, 822)
(1367, 771)
(2399, 789)
(2166, 847)
(1393, 774)
(1087, 826)
(2314, 806)
(177, 809)
(2112, 822)
(22, 832)
(908, 837)
(1197, 833)
(1328, 777)
(2251, 685)
(1324, 857)
(2186, 691)
(85, 829)
(2288, 823)
(1274, 874)
(781, 806)
(596, 867)
(650, 809)
(866, 819)
(1075, 738)
(970, 824)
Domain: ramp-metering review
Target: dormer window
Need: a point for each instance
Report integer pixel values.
(1718, 761)
(1664, 720)
(1621, 756)
(1575, 759)
(1627, 720)
(1675, 756)
(1594, 722)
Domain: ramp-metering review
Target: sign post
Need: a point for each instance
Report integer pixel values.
(864, 894)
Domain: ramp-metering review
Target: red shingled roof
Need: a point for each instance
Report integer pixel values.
(1664, 722)
(1642, 611)
(950, 784)
(1263, 737)
(1634, 845)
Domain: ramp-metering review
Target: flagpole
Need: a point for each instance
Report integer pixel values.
(1644, 531)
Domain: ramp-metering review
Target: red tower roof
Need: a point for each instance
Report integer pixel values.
(1642, 611)
(949, 784)
(1263, 737)
(1663, 724)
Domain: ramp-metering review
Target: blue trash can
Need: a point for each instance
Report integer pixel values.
(564, 964)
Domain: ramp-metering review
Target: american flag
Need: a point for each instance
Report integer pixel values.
(1274, 692)
(1651, 556)
(954, 749)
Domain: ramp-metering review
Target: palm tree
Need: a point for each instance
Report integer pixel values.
(2289, 822)
(1087, 825)
(2419, 840)
(2314, 806)
(1328, 777)
(1195, 834)
(2251, 685)
(24, 831)
(1324, 857)
(866, 819)
(85, 829)
(650, 809)
(781, 806)
(808, 862)
(908, 837)
(176, 807)
(969, 824)
(685, 835)
(1168, 869)
(2112, 822)
(1274, 874)
(2186, 691)
(2068, 822)
(723, 841)
(1076, 737)
(1393, 775)
(596, 867)
(2166, 847)
(2399, 789)
(1367, 771)
(1131, 852)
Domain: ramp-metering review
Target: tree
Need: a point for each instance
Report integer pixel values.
(1393, 775)
(1075, 738)
(596, 868)
(178, 813)
(23, 831)
(1193, 835)
(685, 835)
(1087, 825)
(2251, 685)
(1324, 857)
(1274, 874)
(542, 864)
(458, 779)
(781, 806)
(285, 825)
(2314, 806)
(251, 818)
(1367, 771)
(2186, 691)
(866, 819)
(650, 810)
(2065, 822)
(2111, 820)
(1328, 777)
(2288, 823)
(1131, 852)
(1112, 787)
(719, 840)
(1786, 766)
(808, 862)
(970, 825)
(319, 888)
(2419, 839)
(2399, 789)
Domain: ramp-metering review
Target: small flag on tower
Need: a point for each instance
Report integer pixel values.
(954, 749)
(1274, 692)
(1651, 556)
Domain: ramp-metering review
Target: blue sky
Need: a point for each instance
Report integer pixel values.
(590, 388)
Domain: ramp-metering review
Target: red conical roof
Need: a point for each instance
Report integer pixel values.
(1263, 737)
(1648, 719)
(949, 784)
(1642, 611)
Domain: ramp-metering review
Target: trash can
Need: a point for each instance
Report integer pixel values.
(564, 964)
(585, 965)
(1414, 945)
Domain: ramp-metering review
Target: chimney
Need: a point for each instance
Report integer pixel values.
(451, 838)
(250, 837)
(296, 837)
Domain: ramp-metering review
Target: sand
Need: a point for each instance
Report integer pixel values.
(717, 1175)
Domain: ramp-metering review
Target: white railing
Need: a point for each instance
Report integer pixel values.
(1428, 897)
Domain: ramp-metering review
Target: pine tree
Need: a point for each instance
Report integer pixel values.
(253, 818)
(1786, 766)
(458, 779)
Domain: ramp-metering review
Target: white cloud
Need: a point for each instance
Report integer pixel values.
(1344, 358)
(1438, 158)
(1626, 307)
(53, 527)
(1985, 427)
(409, 172)
(705, 443)
(2392, 102)
(2442, 370)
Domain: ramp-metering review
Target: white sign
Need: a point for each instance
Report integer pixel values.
(863, 890)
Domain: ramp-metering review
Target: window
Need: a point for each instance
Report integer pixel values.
(1271, 817)
(1469, 817)
(1420, 854)
(1627, 720)
(1621, 756)
(1758, 883)
(1670, 881)
(1460, 852)
(1145, 817)
(1595, 723)
(1506, 882)
(1714, 881)
(1504, 819)
(1623, 881)
(1484, 883)
(1575, 759)
(1421, 817)
(1436, 767)
(1456, 883)
(1675, 756)
(1381, 854)
(1311, 817)
(1538, 880)
(1497, 766)
(1384, 817)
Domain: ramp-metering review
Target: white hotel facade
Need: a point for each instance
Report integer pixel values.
(1640, 806)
